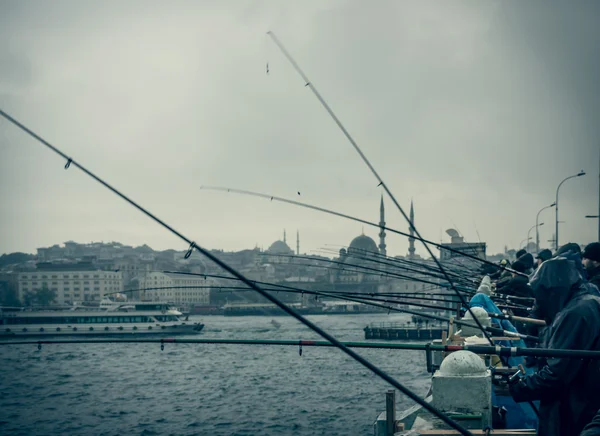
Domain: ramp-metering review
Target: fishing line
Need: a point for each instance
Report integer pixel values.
(392, 260)
(352, 218)
(367, 257)
(366, 268)
(411, 225)
(281, 287)
(232, 271)
(477, 349)
(389, 308)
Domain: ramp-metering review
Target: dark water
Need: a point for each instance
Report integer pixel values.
(104, 389)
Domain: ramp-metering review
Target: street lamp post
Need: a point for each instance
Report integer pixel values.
(537, 233)
(521, 244)
(529, 231)
(581, 173)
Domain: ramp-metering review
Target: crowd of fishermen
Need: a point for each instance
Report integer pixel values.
(563, 290)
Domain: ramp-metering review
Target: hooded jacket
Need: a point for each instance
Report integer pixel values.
(517, 285)
(593, 428)
(528, 262)
(567, 388)
(594, 276)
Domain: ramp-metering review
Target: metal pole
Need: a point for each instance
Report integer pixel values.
(390, 412)
(521, 244)
(581, 173)
(536, 230)
(537, 233)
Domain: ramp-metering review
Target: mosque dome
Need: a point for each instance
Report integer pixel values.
(280, 247)
(363, 244)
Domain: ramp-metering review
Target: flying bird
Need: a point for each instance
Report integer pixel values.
(298, 192)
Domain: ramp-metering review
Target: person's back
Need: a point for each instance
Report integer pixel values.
(593, 428)
(568, 388)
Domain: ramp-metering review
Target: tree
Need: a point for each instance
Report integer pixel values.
(8, 294)
(39, 297)
(28, 298)
(45, 296)
(15, 258)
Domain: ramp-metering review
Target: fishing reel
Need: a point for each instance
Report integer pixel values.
(505, 377)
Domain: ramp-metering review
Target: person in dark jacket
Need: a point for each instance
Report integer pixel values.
(567, 388)
(527, 260)
(570, 247)
(517, 285)
(520, 253)
(591, 262)
(504, 275)
(543, 256)
(593, 428)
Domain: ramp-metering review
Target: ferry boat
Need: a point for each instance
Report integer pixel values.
(139, 318)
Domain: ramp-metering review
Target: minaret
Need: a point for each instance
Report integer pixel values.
(298, 242)
(411, 240)
(382, 249)
(284, 236)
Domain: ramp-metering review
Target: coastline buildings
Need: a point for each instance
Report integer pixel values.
(457, 243)
(71, 282)
(85, 272)
(176, 288)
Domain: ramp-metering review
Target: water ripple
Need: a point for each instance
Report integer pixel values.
(136, 389)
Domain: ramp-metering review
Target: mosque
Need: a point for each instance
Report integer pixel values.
(358, 268)
(364, 253)
(280, 248)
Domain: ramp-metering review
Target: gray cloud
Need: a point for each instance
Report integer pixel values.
(475, 111)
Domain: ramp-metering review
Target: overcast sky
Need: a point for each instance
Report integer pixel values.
(476, 110)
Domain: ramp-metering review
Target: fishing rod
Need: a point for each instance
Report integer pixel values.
(360, 220)
(236, 289)
(280, 288)
(392, 261)
(307, 291)
(463, 269)
(493, 330)
(192, 245)
(337, 295)
(463, 289)
(411, 225)
(464, 310)
(369, 257)
(522, 319)
(331, 294)
(361, 267)
(477, 349)
(377, 272)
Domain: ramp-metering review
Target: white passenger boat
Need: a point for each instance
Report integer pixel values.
(133, 318)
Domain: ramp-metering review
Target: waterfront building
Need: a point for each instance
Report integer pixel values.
(71, 282)
(177, 288)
